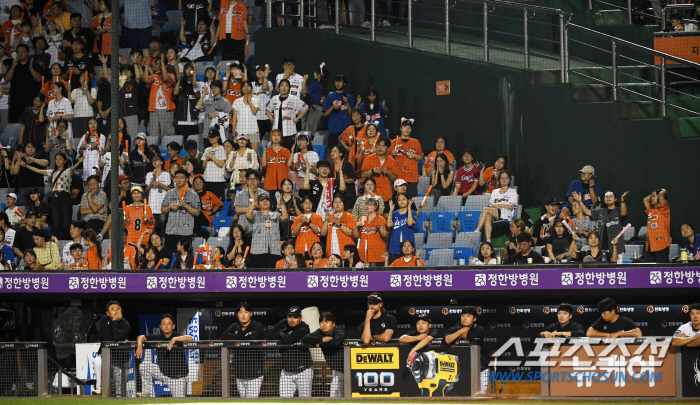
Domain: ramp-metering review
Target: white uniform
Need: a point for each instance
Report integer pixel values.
(92, 154)
(296, 81)
(687, 329)
(59, 109)
(510, 197)
(291, 382)
(263, 96)
(290, 108)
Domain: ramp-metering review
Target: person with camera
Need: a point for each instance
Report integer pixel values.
(586, 187)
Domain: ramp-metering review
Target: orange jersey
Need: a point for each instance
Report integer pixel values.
(131, 254)
(354, 139)
(491, 182)
(209, 202)
(280, 263)
(409, 167)
(384, 184)
(371, 245)
(232, 24)
(430, 160)
(321, 264)
(93, 260)
(414, 262)
(349, 221)
(368, 145)
(166, 166)
(48, 90)
(659, 228)
(100, 22)
(277, 169)
(136, 223)
(306, 237)
(233, 91)
(10, 32)
(161, 93)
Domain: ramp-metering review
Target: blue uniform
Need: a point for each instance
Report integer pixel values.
(400, 231)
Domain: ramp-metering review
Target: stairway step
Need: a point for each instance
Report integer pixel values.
(630, 110)
(685, 127)
(543, 77)
(591, 93)
(610, 17)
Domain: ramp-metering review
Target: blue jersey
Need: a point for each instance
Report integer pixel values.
(339, 119)
(577, 186)
(315, 92)
(694, 251)
(400, 231)
(374, 116)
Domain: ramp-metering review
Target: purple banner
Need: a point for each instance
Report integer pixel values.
(388, 280)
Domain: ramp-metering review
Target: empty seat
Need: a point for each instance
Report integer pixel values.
(476, 202)
(643, 232)
(429, 205)
(419, 239)
(451, 203)
(219, 241)
(423, 184)
(468, 220)
(170, 138)
(439, 240)
(629, 234)
(219, 222)
(320, 150)
(468, 239)
(673, 252)
(441, 257)
(442, 222)
(10, 131)
(420, 221)
(463, 253)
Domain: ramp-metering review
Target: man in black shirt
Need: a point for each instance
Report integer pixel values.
(111, 328)
(610, 324)
(542, 228)
(525, 243)
(378, 325)
(24, 235)
(25, 83)
(76, 31)
(26, 179)
(466, 329)
(565, 327)
(424, 335)
(78, 63)
(172, 366)
(247, 363)
(297, 367)
(33, 123)
(330, 339)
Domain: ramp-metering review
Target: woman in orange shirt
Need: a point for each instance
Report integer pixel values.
(408, 152)
(317, 260)
(371, 231)
(93, 256)
(659, 227)
(440, 147)
(489, 177)
(274, 160)
(408, 259)
(338, 227)
(353, 136)
(306, 227)
(287, 254)
(367, 146)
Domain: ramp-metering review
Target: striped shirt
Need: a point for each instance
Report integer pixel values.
(180, 221)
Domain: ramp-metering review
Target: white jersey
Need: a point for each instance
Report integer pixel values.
(246, 121)
(66, 256)
(223, 120)
(157, 194)
(263, 96)
(57, 109)
(91, 153)
(510, 197)
(290, 108)
(687, 330)
(296, 81)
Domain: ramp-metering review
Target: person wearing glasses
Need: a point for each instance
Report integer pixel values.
(111, 328)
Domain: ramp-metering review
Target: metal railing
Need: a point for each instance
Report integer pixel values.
(23, 369)
(628, 8)
(672, 7)
(615, 55)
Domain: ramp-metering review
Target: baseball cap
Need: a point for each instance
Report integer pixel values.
(123, 177)
(399, 182)
(141, 135)
(213, 133)
(137, 188)
(263, 196)
(242, 136)
(424, 317)
(294, 311)
(30, 214)
(552, 201)
(13, 195)
(374, 297)
(261, 67)
(34, 190)
(588, 169)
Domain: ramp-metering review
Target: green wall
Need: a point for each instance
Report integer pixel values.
(490, 110)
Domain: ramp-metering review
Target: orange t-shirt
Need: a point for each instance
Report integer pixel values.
(349, 221)
(161, 93)
(367, 146)
(130, 255)
(430, 160)
(491, 182)
(166, 166)
(355, 141)
(321, 264)
(105, 37)
(93, 260)
(209, 202)
(306, 237)
(371, 247)
(400, 262)
(233, 91)
(280, 263)
(408, 167)
(277, 169)
(234, 24)
(48, 90)
(384, 184)
(10, 31)
(136, 224)
(659, 228)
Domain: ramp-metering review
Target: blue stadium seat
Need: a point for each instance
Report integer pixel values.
(164, 154)
(182, 152)
(463, 253)
(468, 220)
(222, 221)
(442, 222)
(441, 257)
(419, 223)
(320, 150)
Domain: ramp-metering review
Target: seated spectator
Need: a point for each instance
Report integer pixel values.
(184, 259)
(172, 364)
(46, 251)
(287, 256)
(7, 256)
(193, 170)
(5, 226)
(486, 254)
(30, 262)
(407, 257)
(265, 232)
(24, 235)
(39, 206)
(677, 22)
(238, 243)
(580, 223)
(76, 233)
(693, 245)
(408, 152)
(612, 325)
(155, 241)
(306, 226)
(317, 257)
(526, 254)
(558, 242)
(502, 205)
(586, 187)
(174, 149)
(351, 257)
(489, 178)
(242, 158)
(564, 327)
(211, 204)
(158, 182)
(41, 57)
(687, 334)
(383, 169)
(610, 220)
(76, 251)
(337, 227)
(659, 227)
(441, 178)
(402, 225)
(467, 178)
(595, 254)
(302, 159)
(517, 226)
(371, 232)
(543, 226)
(93, 205)
(14, 213)
(441, 144)
(150, 260)
(422, 336)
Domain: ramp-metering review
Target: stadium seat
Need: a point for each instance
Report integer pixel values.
(219, 241)
(632, 252)
(468, 239)
(468, 220)
(643, 232)
(476, 202)
(451, 203)
(463, 253)
(169, 138)
(62, 244)
(320, 150)
(441, 257)
(219, 222)
(173, 23)
(442, 222)
(629, 234)
(422, 218)
(76, 213)
(197, 242)
(423, 184)
(439, 241)
(673, 252)
(164, 154)
(320, 138)
(152, 140)
(419, 241)
(10, 131)
(429, 205)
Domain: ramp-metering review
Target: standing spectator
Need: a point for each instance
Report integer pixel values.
(153, 56)
(402, 225)
(235, 74)
(159, 16)
(501, 206)
(83, 8)
(194, 12)
(244, 119)
(140, 160)
(5, 5)
(104, 104)
(559, 241)
(182, 205)
(10, 25)
(60, 109)
(199, 43)
(275, 160)
(337, 107)
(9, 238)
(693, 245)
(407, 151)
(587, 187)
(489, 178)
(14, 213)
(33, 123)
(582, 224)
(213, 163)
(467, 178)
(161, 106)
(246, 197)
(24, 38)
(186, 114)
(59, 15)
(5, 94)
(441, 146)
(317, 92)
(542, 228)
(337, 227)
(26, 178)
(306, 227)
(54, 40)
(284, 111)
(304, 161)
(6, 180)
(265, 234)
(93, 206)
(158, 182)
(83, 100)
(78, 63)
(102, 30)
(138, 218)
(75, 31)
(214, 107)
(367, 145)
(322, 190)
(371, 232)
(374, 110)
(296, 81)
(46, 251)
(24, 235)
(137, 23)
(353, 137)
(27, 80)
(358, 210)
(241, 159)
(92, 146)
(173, 149)
(610, 220)
(659, 227)
(129, 95)
(233, 30)
(382, 168)
(262, 89)
(286, 197)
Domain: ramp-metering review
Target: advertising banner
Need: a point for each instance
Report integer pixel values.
(690, 371)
